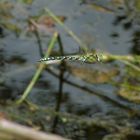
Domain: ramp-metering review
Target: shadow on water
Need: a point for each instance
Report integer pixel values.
(95, 104)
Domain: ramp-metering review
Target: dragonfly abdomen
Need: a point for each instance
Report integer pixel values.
(84, 58)
(59, 58)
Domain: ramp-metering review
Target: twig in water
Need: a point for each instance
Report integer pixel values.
(39, 70)
(60, 94)
(97, 93)
(16, 131)
(71, 33)
(37, 37)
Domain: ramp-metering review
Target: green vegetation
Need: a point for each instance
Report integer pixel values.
(48, 85)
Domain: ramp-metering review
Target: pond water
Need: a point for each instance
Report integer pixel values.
(107, 25)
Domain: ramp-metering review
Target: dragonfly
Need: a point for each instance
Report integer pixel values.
(86, 58)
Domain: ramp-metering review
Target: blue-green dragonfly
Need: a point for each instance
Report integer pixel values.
(87, 58)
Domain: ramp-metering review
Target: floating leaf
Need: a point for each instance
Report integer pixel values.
(44, 24)
(5, 10)
(12, 27)
(94, 74)
(117, 2)
(130, 92)
(100, 8)
(26, 1)
(49, 21)
(130, 89)
(137, 4)
(16, 59)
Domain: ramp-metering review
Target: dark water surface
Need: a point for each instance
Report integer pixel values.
(115, 30)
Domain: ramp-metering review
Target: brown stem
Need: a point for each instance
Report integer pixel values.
(60, 94)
